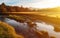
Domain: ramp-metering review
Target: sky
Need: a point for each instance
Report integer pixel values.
(33, 3)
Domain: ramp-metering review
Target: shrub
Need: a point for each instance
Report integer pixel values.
(7, 31)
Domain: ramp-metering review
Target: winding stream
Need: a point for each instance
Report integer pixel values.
(40, 26)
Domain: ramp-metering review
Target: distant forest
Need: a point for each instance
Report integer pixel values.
(6, 8)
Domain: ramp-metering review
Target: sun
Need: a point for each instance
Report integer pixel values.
(46, 4)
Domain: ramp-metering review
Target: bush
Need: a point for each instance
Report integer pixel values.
(7, 31)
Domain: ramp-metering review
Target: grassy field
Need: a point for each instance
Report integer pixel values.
(52, 18)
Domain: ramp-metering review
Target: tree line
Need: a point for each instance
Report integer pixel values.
(5, 8)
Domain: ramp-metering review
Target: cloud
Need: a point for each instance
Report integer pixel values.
(10, 2)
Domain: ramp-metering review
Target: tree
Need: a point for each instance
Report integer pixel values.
(3, 8)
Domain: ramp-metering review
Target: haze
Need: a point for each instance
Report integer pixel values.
(33, 3)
